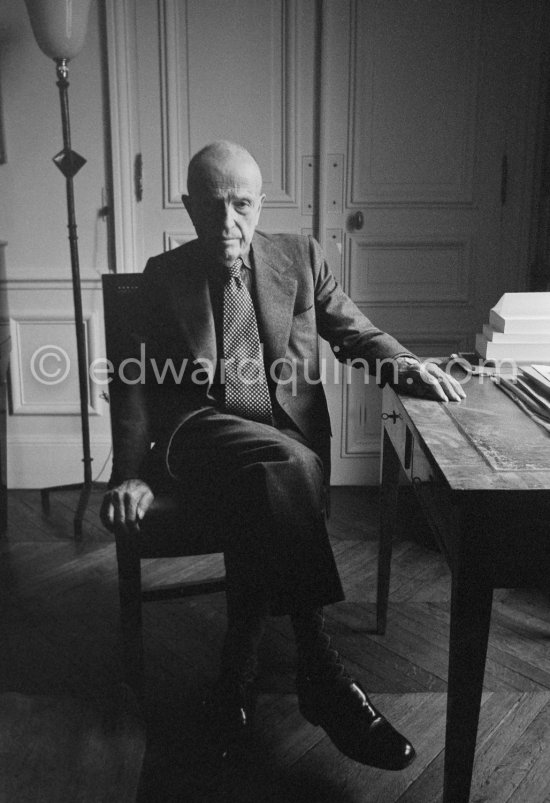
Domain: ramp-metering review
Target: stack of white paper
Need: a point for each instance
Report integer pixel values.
(518, 329)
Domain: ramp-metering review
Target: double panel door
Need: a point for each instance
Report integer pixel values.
(401, 134)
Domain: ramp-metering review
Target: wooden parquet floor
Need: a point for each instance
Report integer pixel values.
(60, 637)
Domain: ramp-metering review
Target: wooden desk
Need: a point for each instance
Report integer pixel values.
(481, 471)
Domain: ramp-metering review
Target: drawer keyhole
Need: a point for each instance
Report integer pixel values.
(392, 416)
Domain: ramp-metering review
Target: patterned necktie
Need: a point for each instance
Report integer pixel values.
(246, 390)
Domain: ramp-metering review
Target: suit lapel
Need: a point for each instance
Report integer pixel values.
(275, 294)
(192, 306)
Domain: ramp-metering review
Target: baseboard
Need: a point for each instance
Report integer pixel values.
(47, 463)
(357, 471)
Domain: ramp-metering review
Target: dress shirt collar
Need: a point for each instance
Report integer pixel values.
(218, 272)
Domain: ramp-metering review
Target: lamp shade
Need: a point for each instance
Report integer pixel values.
(59, 26)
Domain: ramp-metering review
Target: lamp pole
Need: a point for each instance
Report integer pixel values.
(69, 163)
(59, 27)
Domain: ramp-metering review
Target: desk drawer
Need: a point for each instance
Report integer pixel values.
(434, 498)
(422, 471)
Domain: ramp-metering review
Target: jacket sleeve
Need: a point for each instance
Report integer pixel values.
(129, 396)
(350, 333)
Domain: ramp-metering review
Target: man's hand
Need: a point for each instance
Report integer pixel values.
(427, 380)
(126, 505)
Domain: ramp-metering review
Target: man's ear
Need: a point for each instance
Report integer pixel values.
(261, 203)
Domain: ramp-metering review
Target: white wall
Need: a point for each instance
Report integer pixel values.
(44, 446)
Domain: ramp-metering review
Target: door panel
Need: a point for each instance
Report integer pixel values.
(250, 86)
(412, 131)
(248, 78)
(432, 106)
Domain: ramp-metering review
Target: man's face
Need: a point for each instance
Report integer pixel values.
(225, 206)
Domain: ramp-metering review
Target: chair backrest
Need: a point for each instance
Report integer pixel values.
(120, 295)
(123, 321)
(121, 292)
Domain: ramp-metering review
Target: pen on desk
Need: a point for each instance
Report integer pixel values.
(526, 401)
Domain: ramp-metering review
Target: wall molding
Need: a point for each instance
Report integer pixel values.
(36, 461)
(176, 118)
(176, 114)
(173, 239)
(31, 283)
(455, 247)
(455, 194)
(43, 373)
(120, 27)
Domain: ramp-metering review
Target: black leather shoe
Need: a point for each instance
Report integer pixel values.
(229, 715)
(353, 724)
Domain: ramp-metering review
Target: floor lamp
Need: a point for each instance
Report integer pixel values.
(59, 27)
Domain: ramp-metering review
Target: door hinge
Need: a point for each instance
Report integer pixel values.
(138, 177)
(105, 207)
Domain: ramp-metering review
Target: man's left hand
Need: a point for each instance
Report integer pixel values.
(427, 380)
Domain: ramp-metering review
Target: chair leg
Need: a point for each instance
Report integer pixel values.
(129, 586)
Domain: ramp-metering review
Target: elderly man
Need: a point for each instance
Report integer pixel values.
(243, 431)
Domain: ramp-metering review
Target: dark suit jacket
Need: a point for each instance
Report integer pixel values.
(297, 299)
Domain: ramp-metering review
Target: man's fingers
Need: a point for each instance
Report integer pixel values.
(455, 389)
(144, 504)
(452, 388)
(429, 381)
(107, 513)
(119, 507)
(123, 509)
(134, 505)
(444, 386)
(130, 507)
(434, 389)
(126, 505)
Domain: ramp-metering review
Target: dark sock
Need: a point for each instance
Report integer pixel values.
(317, 658)
(246, 620)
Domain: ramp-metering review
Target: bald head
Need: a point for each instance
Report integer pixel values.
(221, 156)
(224, 199)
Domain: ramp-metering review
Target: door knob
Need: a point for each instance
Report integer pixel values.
(356, 221)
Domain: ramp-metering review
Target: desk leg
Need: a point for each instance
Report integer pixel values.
(471, 604)
(389, 489)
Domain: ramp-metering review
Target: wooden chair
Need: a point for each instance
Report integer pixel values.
(166, 531)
